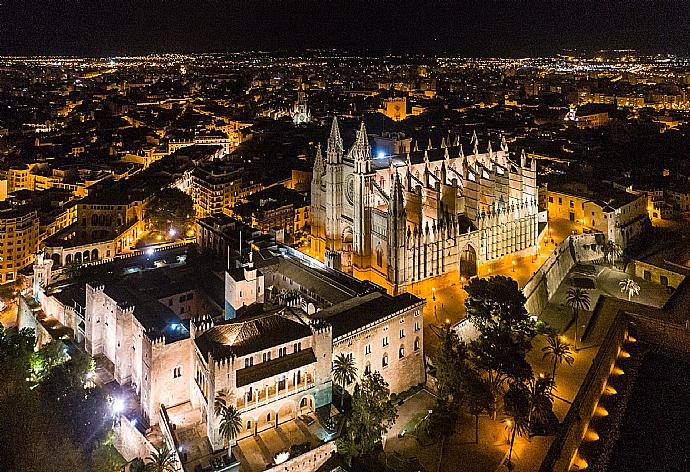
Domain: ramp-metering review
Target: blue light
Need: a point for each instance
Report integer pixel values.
(381, 155)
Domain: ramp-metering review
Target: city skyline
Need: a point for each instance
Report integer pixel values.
(370, 249)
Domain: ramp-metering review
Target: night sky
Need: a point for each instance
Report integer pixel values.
(473, 28)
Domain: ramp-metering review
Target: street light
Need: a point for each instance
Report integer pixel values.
(514, 266)
(118, 406)
(433, 298)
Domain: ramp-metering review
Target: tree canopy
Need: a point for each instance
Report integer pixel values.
(45, 403)
(496, 306)
(170, 209)
(372, 415)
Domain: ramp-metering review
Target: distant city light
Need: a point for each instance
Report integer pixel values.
(149, 251)
(172, 233)
(381, 155)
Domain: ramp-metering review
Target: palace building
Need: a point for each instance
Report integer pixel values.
(177, 330)
(400, 219)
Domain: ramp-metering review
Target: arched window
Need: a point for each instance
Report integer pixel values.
(367, 368)
(384, 361)
(268, 417)
(379, 255)
(401, 352)
(249, 424)
(416, 344)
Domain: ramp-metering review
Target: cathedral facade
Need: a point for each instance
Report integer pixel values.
(401, 219)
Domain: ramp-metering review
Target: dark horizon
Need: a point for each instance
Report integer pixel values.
(462, 28)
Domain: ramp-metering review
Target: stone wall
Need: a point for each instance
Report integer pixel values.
(308, 462)
(369, 345)
(543, 284)
(169, 360)
(669, 336)
(130, 442)
(560, 455)
(654, 273)
(573, 250)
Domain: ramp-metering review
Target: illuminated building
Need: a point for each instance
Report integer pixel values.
(18, 240)
(263, 332)
(300, 111)
(405, 218)
(395, 108)
(620, 215)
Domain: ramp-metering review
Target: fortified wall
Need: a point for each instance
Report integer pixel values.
(573, 250)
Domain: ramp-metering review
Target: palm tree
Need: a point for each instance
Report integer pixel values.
(559, 350)
(578, 299)
(344, 372)
(630, 287)
(161, 460)
(612, 251)
(230, 420)
(540, 394)
(517, 408)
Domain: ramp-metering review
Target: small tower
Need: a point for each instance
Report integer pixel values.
(243, 286)
(42, 274)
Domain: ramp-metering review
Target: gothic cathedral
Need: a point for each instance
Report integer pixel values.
(401, 219)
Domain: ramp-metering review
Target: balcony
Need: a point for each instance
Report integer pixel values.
(263, 396)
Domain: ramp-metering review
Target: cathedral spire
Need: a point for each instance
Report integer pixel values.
(361, 151)
(362, 140)
(443, 143)
(335, 142)
(504, 144)
(415, 148)
(318, 160)
(475, 142)
(429, 146)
